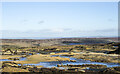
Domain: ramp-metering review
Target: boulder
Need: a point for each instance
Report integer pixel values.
(72, 60)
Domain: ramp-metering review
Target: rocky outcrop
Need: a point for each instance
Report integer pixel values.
(14, 59)
(117, 51)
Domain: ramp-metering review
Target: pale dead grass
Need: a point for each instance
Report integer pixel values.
(13, 69)
(108, 49)
(113, 58)
(39, 66)
(9, 56)
(66, 53)
(41, 58)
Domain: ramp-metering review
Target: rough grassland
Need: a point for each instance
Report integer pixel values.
(41, 58)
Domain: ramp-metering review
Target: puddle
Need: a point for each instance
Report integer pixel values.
(78, 62)
(22, 59)
(5, 60)
(78, 43)
(55, 63)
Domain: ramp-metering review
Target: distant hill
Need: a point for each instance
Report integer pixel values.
(57, 41)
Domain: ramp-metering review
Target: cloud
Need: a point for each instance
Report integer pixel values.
(106, 30)
(40, 22)
(110, 20)
(58, 32)
(25, 20)
(28, 22)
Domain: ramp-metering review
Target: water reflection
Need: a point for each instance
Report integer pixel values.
(5, 60)
(78, 62)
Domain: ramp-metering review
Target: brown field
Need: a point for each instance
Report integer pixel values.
(96, 51)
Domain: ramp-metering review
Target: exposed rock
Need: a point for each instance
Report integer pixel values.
(117, 51)
(72, 60)
(14, 59)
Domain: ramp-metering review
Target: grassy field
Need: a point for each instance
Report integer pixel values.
(36, 51)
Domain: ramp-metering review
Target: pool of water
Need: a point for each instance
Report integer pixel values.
(78, 62)
(5, 60)
(55, 63)
(22, 59)
(78, 43)
(75, 43)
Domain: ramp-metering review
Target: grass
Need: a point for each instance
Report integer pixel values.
(9, 56)
(13, 69)
(41, 58)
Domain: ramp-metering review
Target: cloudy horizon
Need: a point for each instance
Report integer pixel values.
(59, 19)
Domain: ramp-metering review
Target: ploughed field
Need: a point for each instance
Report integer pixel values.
(61, 56)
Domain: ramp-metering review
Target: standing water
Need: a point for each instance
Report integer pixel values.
(78, 62)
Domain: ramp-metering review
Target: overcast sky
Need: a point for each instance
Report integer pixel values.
(59, 19)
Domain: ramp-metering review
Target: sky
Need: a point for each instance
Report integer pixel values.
(59, 19)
